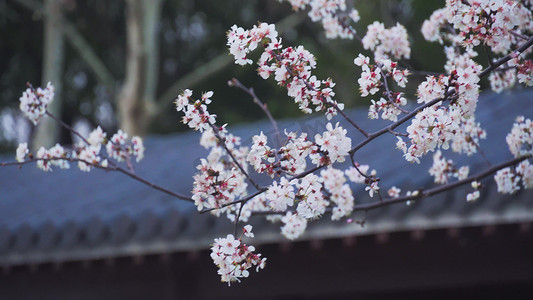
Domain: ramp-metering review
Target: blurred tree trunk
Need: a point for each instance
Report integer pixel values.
(137, 96)
(47, 132)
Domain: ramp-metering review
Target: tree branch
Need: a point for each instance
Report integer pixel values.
(250, 91)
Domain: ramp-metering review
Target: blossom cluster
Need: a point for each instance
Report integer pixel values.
(219, 180)
(329, 147)
(34, 102)
(387, 43)
(498, 24)
(294, 225)
(520, 139)
(442, 169)
(371, 81)
(87, 153)
(339, 192)
(333, 15)
(439, 125)
(291, 67)
(196, 114)
(234, 258)
(491, 22)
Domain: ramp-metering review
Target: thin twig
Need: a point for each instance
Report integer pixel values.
(68, 127)
(113, 168)
(216, 131)
(506, 58)
(250, 91)
(440, 189)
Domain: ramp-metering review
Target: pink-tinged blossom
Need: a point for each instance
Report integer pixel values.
(196, 114)
(431, 28)
(311, 202)
(89, 155)
(280, 196)
(247, 231)
(525, 170)
(389, 110)
(333, 145)
(52, 157)
(331, 13)
(502, 80)
(432, 88)
(219, 180)
(525, 73)
(22, 151)
(137, 148)
(34, 102)
(442, 170)
(340, 193)
(356, 176)
(294, 225)
(260, 156)
(507, 181)
(394, 192)
(97, 137)
(473, 196)
(114, 146)
(217, 184)
(290, 66)
(467, 137)
(344, 202)
(372, 188)
(520, 139)
(488, 22)
(233, 258)
(391, 43)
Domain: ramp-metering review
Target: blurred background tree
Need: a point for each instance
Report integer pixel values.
(121, 64)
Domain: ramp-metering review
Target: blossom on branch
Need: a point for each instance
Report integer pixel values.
(34, 102)
(233, 258)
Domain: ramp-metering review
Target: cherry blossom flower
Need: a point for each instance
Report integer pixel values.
(507, 181)
(294, 225)
(332, 14)
(473, 196)
(387, 43)
(281, 195)
(247, 231)
(34, 102)
(22, 151)
(234, 258)
(333, 145)
(520, 139)
(311, 200)
(394, 192)
(96, 137)
(196, 114)
(442, 170)
(52, 157)
(291, 67)
(525, 170)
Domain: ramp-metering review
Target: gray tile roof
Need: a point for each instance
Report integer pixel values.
(71, 215)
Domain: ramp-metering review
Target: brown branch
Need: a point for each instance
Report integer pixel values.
(223, 141)
(95, 165)
(433, 191)
(250, 91)
(422, 194)
(243, 200)
(506, 58)
(68, 127)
